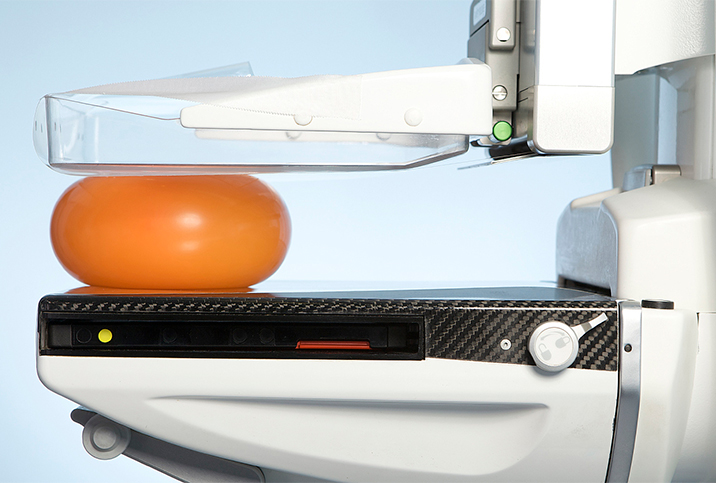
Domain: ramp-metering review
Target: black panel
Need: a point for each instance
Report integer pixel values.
(191, 334)
(410, 328)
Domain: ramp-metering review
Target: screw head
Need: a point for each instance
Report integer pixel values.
(499, 93)
(302, 118)
(413, 117)
(505, 344)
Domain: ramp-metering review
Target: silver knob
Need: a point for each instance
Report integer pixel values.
(554, 345)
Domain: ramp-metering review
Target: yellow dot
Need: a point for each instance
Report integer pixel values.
(105, 335)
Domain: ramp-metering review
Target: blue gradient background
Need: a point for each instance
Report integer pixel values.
(436, 224)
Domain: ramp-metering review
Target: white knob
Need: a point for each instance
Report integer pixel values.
(554, 346)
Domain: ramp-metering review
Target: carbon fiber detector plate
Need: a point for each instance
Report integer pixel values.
(464, 324)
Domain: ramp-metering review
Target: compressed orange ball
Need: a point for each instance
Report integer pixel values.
(171, 232)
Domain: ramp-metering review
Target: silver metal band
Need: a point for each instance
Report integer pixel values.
(627, 414)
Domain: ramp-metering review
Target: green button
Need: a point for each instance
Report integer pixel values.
(502, 130)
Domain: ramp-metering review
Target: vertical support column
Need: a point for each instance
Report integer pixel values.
(625, 424)
(669, 347)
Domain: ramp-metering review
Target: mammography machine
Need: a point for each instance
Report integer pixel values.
(607, 376)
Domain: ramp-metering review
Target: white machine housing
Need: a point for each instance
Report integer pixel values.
(654, 232)
(651, 238)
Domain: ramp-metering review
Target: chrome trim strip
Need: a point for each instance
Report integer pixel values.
(627, 414)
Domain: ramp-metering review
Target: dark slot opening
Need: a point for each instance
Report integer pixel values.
(240, 336)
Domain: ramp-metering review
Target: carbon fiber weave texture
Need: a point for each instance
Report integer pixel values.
(454, 329)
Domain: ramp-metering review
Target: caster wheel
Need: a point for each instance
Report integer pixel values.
(105, 439)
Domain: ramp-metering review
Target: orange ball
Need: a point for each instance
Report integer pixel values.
(171, 232)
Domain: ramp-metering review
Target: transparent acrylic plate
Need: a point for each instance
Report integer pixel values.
(90, 134)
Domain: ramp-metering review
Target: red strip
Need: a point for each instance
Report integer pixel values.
(333, 344)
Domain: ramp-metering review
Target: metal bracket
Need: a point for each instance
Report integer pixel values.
(649, 174)
(494, 34)
(106, 439)
(629, 396)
